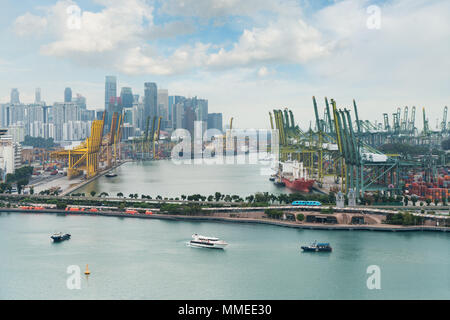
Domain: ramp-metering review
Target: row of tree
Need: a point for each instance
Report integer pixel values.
(262, 198)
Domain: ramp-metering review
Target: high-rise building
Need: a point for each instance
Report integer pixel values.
(163, 107)
(37, 95)
(68, 95)
(173, 101)
(189, 119)
(150, 100)
(80, 101)
(110, 92)
(215, 121)
(15, 96)
(202, 110)
(126, 94)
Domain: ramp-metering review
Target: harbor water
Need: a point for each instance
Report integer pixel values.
(149, 259)
(167, 179)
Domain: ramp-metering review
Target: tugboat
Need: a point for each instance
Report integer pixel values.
(58, 237)
(317, 247)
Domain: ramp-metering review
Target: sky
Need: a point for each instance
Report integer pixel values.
(246, 57)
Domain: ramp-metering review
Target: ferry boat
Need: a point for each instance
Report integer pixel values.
(318, 247)
(58, 237)
(294, 176)
(207, 242)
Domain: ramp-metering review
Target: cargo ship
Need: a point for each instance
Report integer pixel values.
(294, 176)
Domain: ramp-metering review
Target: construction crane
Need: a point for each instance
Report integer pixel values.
(84, 157)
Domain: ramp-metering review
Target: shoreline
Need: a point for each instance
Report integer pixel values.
(310, 226)
(83, 183)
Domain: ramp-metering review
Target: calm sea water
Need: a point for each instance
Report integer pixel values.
(149, 259)
(170, 180)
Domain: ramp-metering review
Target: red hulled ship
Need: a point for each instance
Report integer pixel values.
(295, 177)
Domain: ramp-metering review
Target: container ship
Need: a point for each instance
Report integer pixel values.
(294, 176)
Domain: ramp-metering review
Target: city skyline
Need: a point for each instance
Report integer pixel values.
(273, 57)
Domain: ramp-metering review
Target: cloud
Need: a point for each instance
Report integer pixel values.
(120, 35)
(285, 41)
(29, 24)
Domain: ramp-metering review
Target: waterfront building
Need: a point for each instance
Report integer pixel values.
(10, 155)
(68, 95)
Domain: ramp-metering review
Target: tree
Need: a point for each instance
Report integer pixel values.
(428, 201)
(300, 217)
(217, 196)
(250, 198)
(31, 190)
(436, 201)
(93, 193)
(120, 194)
(414, 200)
(183, 197)
(210, 198)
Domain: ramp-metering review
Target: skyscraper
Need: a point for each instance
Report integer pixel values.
(68, 95)
(15, 96)
(110, 89)
(215, 121)
(163, 106)
(37, 95)
(126, 94)
(110, 93)
(150, 100)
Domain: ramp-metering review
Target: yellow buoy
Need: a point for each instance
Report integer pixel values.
(87, 270)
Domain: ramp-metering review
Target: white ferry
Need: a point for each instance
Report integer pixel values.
(207, 242)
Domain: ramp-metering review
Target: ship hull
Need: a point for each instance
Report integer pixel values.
(302, 185)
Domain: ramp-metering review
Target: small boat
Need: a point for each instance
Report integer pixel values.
(111, 175)
(317, 247)
(58, 237)
(207, 242)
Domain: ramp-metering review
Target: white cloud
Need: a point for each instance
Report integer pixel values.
(29, 24)
(285, 41)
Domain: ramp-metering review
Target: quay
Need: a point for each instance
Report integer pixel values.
(226, 219)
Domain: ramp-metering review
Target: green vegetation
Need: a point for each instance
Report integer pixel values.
(273, 213)
(300, 217)
(328, 210)
(405, 219)
(39, 142)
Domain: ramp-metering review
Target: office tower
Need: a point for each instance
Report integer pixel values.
(150, 100)
(110, 92)
(215, 121)
(37, 95)
(80, 101)
(15, 96)
(173, 101)
(202, 110)
(68, 95)
(188, 120)
(126, 94)
(163, 107)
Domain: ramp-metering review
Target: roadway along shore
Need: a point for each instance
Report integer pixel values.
(258, 220)
(68, 186)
